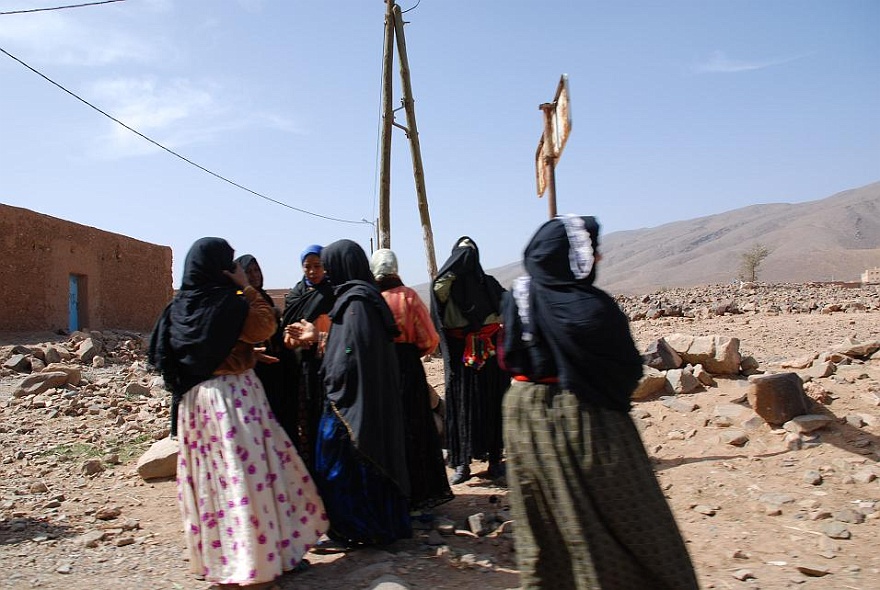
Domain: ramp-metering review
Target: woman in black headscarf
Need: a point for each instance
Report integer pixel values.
(276, 365)
(250, 509)
(465, 306)
(360, 461)
(311, 299)
(588, 508)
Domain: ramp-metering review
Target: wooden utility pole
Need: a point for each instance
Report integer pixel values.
(384, 224)
(394, 29)
(412, 133)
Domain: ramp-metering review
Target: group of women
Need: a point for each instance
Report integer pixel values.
(297, 423)
(318, 421)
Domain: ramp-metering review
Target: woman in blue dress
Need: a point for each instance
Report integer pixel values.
(360, 463)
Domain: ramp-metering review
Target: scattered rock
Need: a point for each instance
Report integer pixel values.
(777, 398)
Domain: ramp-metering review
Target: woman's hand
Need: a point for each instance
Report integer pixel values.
(238, 276)
(262, 357)
(303, 330)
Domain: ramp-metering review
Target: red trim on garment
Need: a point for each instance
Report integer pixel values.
(545, 380)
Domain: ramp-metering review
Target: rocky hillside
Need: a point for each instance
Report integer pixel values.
(832, 239)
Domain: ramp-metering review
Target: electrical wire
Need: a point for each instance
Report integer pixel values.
(413, 8)
(184, 158)
(59, 7)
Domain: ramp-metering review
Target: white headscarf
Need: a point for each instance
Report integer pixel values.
(383, 263)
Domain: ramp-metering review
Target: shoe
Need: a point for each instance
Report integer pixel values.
(330, 547)
(496, 470)
(461, 475)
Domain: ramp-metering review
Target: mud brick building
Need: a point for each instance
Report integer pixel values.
(58, 275)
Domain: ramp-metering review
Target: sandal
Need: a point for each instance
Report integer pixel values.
(330, 547)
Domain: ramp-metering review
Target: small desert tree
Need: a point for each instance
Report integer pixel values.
(751, 260)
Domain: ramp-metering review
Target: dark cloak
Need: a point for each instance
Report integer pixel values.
(306, 302)
(197, 330)
(473, 397)
(424, 447)
(359, 370)
(476, 294)
(577, 330)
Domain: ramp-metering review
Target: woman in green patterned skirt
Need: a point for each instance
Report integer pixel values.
(589, 511)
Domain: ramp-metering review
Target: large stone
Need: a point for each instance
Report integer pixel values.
(679, 342)
(74, 374)
(821, 369)
(859, 350)
(778, 398)
(39, 382)
(87, 350)
(19, 363)
(160, 460)
(718, 354)
(681, 381)
(651, 383)
(659, 355)
(704, 376)
(801, 362)
(727, 357)
(53, 355)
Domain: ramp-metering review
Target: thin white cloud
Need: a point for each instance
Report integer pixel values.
(252, 6)
(720, 63)
(175, 114)
(55, 38)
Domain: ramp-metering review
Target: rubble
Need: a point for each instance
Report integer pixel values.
(88, 500)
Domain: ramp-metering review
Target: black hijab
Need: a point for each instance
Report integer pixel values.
(476, 294)
(557, 323)
(198, 329)
(360, 371)
(349, 270)
(245, 261)
(307, 301)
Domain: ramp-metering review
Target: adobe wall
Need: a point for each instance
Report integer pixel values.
(124, 283)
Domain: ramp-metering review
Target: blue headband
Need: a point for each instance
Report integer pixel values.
(313, 249)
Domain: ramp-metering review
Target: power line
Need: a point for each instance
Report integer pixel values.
(413, 8)
(59, 7)
(173, 153)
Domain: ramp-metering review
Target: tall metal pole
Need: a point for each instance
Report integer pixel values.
(384, 224)
(415, 147)
(549, 159)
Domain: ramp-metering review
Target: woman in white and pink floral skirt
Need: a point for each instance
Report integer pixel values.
(250, 508)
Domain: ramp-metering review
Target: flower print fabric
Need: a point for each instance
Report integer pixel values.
(250, 508)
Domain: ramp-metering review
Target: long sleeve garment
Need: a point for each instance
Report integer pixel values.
(259, 325)
(413, 319)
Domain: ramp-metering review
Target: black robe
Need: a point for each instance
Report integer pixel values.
(307, 302)
(473, 396)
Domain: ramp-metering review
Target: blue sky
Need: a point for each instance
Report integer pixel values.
(680, 109)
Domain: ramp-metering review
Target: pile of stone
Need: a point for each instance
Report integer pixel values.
(681, 364)
(717, 300)
(94, 374)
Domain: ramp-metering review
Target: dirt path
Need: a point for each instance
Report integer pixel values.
(754, 516)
